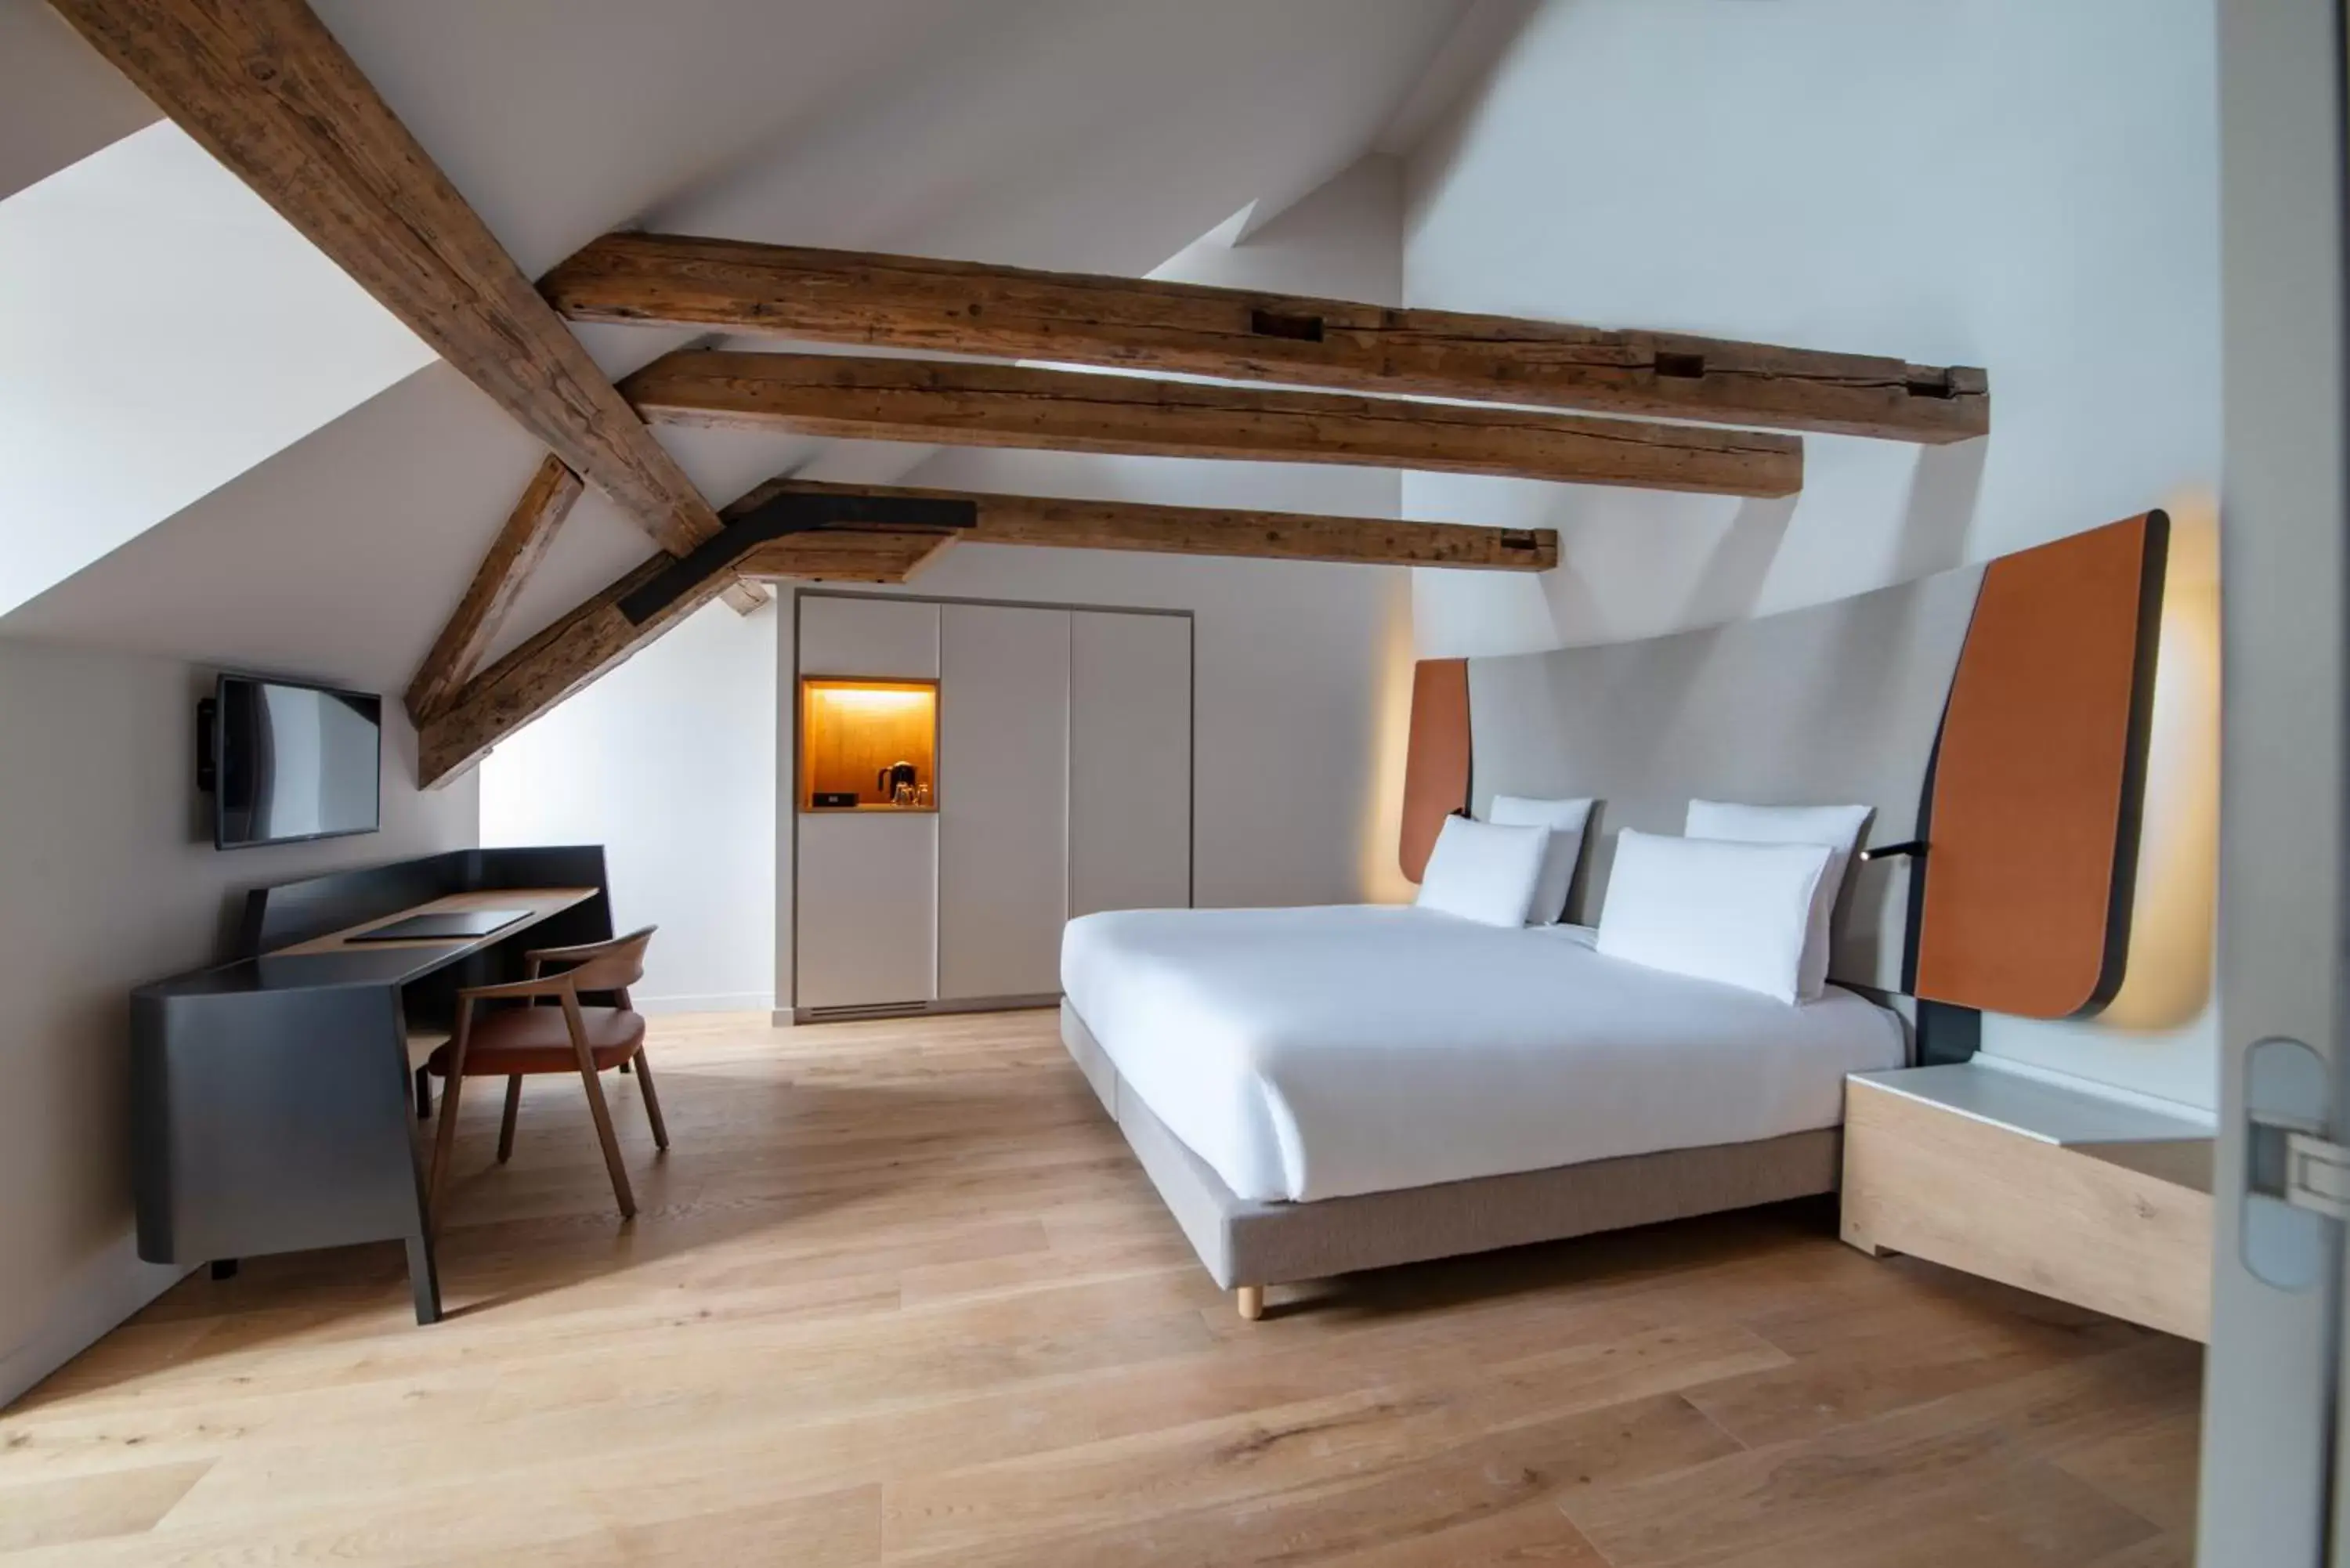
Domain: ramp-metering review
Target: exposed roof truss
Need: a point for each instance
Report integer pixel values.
(269, 92)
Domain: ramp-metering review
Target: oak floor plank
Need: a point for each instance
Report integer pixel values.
(1973, 1461)
(91, 1507)
(700, 1431)
(1535, 1533)
(2160, 1552)
(1110, 1484)
(898, 1294)
(2148, 1471)
(834, 1531)
(1456, 1483)
(1850, 1360)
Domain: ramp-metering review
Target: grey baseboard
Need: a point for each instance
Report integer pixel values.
(920, 1009)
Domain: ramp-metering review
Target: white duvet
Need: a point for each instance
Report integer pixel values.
(1314, 1052)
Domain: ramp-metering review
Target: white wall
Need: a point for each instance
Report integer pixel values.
(669, 763)
(162, 331)
(1344, 239)
(59, 100)
(2056, 222)
(108, 880)
(2026, 187)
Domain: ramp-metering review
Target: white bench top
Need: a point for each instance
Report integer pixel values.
(2048, 1112)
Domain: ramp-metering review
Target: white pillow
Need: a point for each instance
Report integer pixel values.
(1737, 913)
(1482, 872)
(1837, 826)
(1565, 820)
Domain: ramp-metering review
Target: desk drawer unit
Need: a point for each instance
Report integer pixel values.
(270, 1122)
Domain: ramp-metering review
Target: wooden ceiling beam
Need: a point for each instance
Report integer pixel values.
(266, 90)
(513, 555)
(1037, 520)
(596, 637)
(599, 634)
(964, 404)
(961, 307)
(560, 659)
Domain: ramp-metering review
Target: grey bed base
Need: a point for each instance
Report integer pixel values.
(1247, 1245)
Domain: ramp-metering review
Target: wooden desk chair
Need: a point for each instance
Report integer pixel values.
(514, 1041)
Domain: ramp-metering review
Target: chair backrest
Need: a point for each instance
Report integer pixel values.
(615, 965)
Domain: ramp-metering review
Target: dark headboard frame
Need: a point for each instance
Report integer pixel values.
(2038, 788)
(1437, 758)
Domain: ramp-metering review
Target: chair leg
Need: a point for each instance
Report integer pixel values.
(423, 1094)
(652, 1100)
(513, 1108)
(443, 1142)
(603, 1114)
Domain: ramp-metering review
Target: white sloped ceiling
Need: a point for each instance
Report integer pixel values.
(59, 102)
(1102, 135)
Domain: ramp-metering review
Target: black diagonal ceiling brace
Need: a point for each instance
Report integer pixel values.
(790, 513)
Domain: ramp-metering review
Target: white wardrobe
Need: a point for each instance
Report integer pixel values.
(1059, 785)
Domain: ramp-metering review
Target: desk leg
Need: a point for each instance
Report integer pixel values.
(424, 1278)
(424, 1271)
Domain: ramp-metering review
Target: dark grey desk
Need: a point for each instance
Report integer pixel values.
(271, 1097)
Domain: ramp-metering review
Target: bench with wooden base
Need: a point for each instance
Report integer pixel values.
(2091, 1200)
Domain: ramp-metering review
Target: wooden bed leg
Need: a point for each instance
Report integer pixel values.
(1249, 1299)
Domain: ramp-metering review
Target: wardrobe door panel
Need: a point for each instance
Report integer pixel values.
(867, 909)
(1130, 762)
(1002, 797)
(882, 638)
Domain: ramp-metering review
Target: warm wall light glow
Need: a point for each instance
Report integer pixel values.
(868, 699)
(2168, 982)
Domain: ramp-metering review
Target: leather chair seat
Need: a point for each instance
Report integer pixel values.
(525, 1040)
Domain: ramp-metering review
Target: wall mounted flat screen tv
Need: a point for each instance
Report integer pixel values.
(289, 761)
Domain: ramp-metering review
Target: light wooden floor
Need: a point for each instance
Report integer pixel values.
(900, 1295)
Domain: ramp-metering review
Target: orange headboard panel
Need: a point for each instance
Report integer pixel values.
(1436, 764)
(2033, 813)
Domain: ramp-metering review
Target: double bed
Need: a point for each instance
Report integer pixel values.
(1315, 1091)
